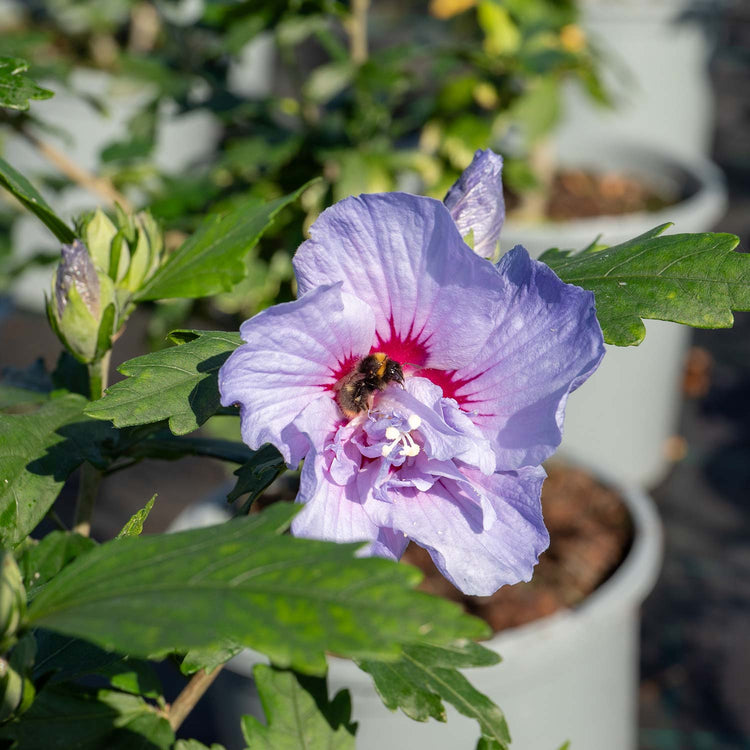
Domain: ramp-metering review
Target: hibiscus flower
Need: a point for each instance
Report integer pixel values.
(447, 452)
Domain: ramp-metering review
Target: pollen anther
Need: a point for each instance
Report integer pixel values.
(403, 438)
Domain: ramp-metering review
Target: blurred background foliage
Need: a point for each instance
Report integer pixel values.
(376, 97)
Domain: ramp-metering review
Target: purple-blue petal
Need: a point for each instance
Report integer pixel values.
(476, 202)
(433, 298)
(332, 512)
(291, 360)
(546, 343)
(448, 522)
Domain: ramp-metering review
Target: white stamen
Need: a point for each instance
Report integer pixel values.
(402, 437)
(392, 433)
(386, 451)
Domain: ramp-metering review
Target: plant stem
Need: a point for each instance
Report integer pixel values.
(99, 376)
(90, 477)
(190, 695)
(358, 31)
(100, 186)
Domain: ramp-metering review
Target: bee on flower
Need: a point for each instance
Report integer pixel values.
(422, 384)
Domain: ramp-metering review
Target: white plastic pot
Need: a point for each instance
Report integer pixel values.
(622, 417)
(572, 676)
(656, 70)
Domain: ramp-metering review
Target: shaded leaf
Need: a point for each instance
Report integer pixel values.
(38, 452)
(256, 474)
(179, 384)
(212, 260)
(209, 658)
(15, 88)
(195, 745)
(134, 526)
(168, 447)
(66, 716)
(426, 675)
(295, 720)
(61, 658)
(243, 582)
(41, 561)
(695, 279)
(16, 184)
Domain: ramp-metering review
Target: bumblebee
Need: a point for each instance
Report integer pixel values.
(354, 392)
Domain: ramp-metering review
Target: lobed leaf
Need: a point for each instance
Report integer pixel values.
(254, 476)
(212, 260)
(41, 561)
(39, 450)
(17, 185)
(15, 88)
(209, 658)
(295, 720)
(66, 716)
(179, 384)
(61, 658)
(426, 675)
(694, 279)
(292, 599)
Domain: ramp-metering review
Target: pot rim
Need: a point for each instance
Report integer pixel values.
(709, 197)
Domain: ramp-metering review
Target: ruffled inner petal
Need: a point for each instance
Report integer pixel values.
(332, 512)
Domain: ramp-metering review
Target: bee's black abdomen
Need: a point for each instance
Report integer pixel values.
(372, 373)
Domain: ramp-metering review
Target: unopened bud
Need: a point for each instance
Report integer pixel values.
(128, 250)
(11, 690)
(16, 687)
(81, 295)
(77, 269)
(12, 600)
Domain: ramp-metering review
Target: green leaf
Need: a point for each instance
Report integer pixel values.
(295, 720)
(42, 561)
(17, 89)
(213, 259)
(254, 476)
(65, 716)
(38, 452)
(195, 745)
(485, 743)
(243, 582)
(134, 526)
(61, 658)
(209, 658)
(178, 384)
(16, 184)
(425, 676)
(695, 279)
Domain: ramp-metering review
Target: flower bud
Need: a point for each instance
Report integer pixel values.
(128, 250)
(11, 690)
(147, 248)
(12, 600)
(80, 305)
(16, 687)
